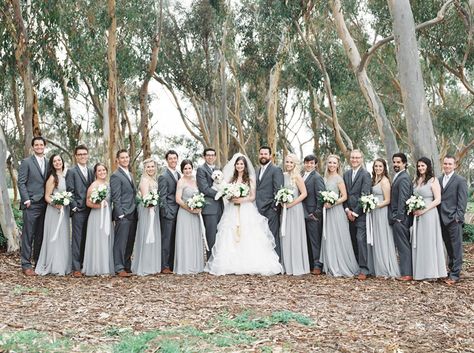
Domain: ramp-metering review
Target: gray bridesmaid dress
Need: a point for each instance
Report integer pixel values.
(384, 253)
(294, 246)
(98, 253)
(337, 253)
(55, 254)
(146, 259)
(189, 246)
(429, 261)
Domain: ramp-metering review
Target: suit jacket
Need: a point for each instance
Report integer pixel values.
(271, 181)
(362, 185)
(77, 184)
(402, 189)
(312, 203)
(204, 183)
(123, 193)
(167, 190)
(31, 181)
(453, 199)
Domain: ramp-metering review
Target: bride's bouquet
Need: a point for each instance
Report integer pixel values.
(151, 199)
(284, 195)
(62, 198)
(197, 201)
(328, 196)
(368, 202)
(99, 194)
(414, 203)
(235, 190)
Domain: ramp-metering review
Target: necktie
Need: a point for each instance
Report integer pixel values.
(445, 180)
(42, 165)
(262, 170)
(84, 172)
(354, 173)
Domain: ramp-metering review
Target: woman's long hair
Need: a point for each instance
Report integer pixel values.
(151, 179)
(296, 170)
(429, 169)
(385, 170)
(52, 170)
(338, 170)
(245, 174)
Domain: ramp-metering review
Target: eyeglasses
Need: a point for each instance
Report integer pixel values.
(210, 155)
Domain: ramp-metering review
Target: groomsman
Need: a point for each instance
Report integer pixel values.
(451, 211)
(31, 179)
(402, 189)
(168, 211)
(124, 213)
(78, 180)
(358, 183)
(313, 212)
(269, 181)
(212, 211)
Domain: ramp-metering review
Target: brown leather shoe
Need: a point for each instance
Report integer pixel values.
(450, 281)
(166, 271)
(28, 272)
(362, 276)
(316, 271)
(77, 274)
(405, 278)
(123, 274)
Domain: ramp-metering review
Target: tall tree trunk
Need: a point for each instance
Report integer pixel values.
(273, 91)
(143, 93)
(112, 65)
(7, 221)
(375, 104)
(419, 125)
(16, 109)
(22, 56)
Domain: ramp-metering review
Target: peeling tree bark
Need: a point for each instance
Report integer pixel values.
(112, 65)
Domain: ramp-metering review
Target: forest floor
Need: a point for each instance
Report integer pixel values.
(203, 313)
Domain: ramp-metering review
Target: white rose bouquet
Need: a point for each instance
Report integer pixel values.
(329, 197)
(62, 198)
(230, 191)
(368, 202)
(151, 199)
(99, 194)
(197, 201)
(284, 195)
(414, 203)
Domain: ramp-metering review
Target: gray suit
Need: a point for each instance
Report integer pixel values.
(402, 189)
(212, 212)
(451, 211)
(267, 187)
(31, 186)
(313, 214)
(168, 212)
(77, 184)
(123, 194)
(361, 185)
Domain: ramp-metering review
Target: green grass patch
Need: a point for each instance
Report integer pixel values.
(32, 341)
(20, 290)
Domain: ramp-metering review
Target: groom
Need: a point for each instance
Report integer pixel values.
(269, 180)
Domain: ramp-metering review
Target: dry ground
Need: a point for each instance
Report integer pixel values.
(170, 313)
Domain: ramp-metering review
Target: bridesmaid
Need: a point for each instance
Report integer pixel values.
(98, 253)
(384, 253)
(189, 249)
(55, 254)
(336, 249)
(294, 246)
(429, 261)
(147, 257)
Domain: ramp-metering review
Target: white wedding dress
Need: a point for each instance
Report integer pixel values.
(244, 243)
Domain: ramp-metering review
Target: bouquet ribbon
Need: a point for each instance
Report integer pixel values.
(104, 219)
(283, 220)
(203, 231)
(414, 232)
(370, 228)
(56, 232)
(150, 235)
(324, 222)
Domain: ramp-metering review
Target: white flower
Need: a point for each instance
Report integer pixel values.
(329, 197)
(284, 195)
(368, 202)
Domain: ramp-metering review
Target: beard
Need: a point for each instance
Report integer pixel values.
(396, 168)
(263, 160)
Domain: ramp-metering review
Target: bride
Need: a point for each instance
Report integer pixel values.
(244, 242)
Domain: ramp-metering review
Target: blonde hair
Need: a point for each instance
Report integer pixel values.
(151, 179)
(338, 170)
(296, 170)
